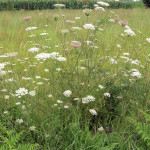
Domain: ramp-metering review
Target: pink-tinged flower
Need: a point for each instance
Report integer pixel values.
(117, 19)
(122, 34)
(123, 23)
(75, 44)
(12, 54)
(70, 21)
(95, 5)
(27, 18)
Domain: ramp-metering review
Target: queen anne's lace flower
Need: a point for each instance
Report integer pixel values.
(77, 18)
(32, 128)
(32, 93)
(42, 56)
(21, 92)
(93, 112)
(18, 103)
(148, 40)
(101, 86)
(76, 28)
(60, 59)
(59, 101)
(20, 121)
(44, 34)
(89, 27)
(88, 99)
(2, 65)
(103, 3)
(129, 32)
(34, 49)
(100, 129)
(30, 28)
(107, 95)
(59, 5)
(113, 61)
(135, 73)
(67, 93)
(76, 99)
(99, 8)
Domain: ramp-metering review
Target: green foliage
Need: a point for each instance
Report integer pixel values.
(11, 140)
(147, 3)
(143, 128)
(70, 4)
(89, 141)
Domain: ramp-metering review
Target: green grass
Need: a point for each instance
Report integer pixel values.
(85, 68)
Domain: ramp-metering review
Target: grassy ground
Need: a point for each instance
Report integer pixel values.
(101, 69)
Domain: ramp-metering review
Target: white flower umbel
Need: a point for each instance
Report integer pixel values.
(30, 28)
(129, 32)
(135, 73)
(61, 59)
(32, 93)
(44, 33)
(148, 40)
(46, 70)
(76, 28)
(76, 99)
(88, 99)
(113, 61)
(59, 101)
(101, 86)
(59, 5)
(135, 62)
(103, 3)
(126, 54)
(32, 128)
(77, 18)
(2, 65)
(66, 106)
(89, 26)
(93, 112)
(99, 8)
(67, 93)
(18, 103)
(111, 20)
(21, 92)
(100, 129)
(20, 121)
(107, 95)
(33, 49)
(42, 56)
(54, 55)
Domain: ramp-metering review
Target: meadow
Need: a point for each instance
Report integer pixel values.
(75, 79)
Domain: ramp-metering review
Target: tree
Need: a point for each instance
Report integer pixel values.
(147, 3)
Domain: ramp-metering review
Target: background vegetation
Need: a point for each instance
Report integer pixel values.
(70, 4)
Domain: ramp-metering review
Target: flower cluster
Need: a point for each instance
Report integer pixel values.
(129, 31)
(89, 26)
(21, 92)
(103, 3)
(67, 93)
(34, 49)
(88, 99)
